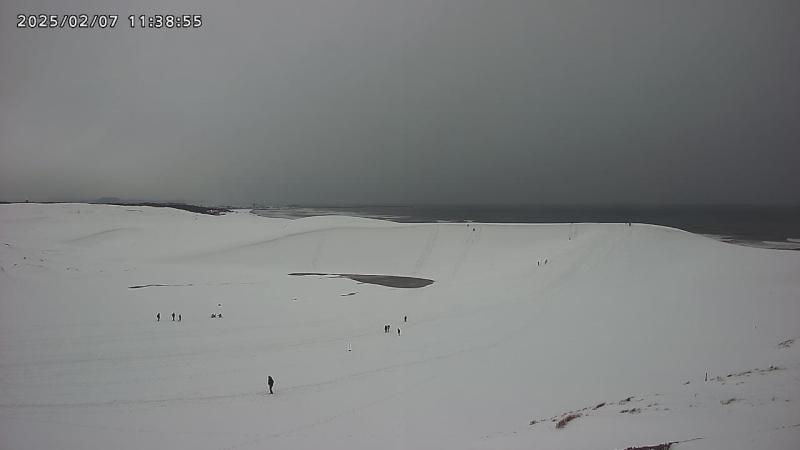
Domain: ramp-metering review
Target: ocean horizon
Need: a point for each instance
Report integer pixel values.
(771, 226)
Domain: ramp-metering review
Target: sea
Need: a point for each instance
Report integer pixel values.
(775, 227)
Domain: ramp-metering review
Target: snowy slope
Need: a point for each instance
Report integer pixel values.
(498, 341)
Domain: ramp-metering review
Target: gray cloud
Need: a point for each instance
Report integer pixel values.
(412, 101)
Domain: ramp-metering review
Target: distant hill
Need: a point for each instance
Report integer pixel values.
(213, 211)
(183, 206)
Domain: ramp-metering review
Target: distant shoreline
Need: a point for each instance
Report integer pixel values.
(213, 211)
(771, 227)
(774, 227)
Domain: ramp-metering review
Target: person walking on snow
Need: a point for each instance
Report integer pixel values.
(158, 317)
(179, 317)
(405, 319)
(398, 331)
(173, 317)
(270, 382)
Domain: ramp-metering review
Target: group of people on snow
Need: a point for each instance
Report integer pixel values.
(270, 380)
(388, 327)
(158, 317)
(180, 317)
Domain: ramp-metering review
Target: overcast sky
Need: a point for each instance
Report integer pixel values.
(406, 101)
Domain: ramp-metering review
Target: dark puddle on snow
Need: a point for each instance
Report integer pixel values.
(382, 280)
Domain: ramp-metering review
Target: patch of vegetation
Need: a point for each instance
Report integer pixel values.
(567, 419)
(664, 446)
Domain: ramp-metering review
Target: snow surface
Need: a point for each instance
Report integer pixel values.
(629, 316)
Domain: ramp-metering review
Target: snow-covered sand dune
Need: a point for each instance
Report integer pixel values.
(630, 317)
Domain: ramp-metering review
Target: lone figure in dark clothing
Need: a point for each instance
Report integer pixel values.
(398, 331)
(405, 319)
(270, 382)
(179, 317)
(173, 317)
(158, 317)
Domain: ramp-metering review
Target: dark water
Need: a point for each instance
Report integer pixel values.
(381, 280)
(732, 223)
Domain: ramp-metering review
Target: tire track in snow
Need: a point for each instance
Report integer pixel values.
(296, 388)
(470, 241)
(316, 423)
(353, 410)
(270, 239)
(168, 431)
(97, 235)
(318, 250)
(433, 236)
